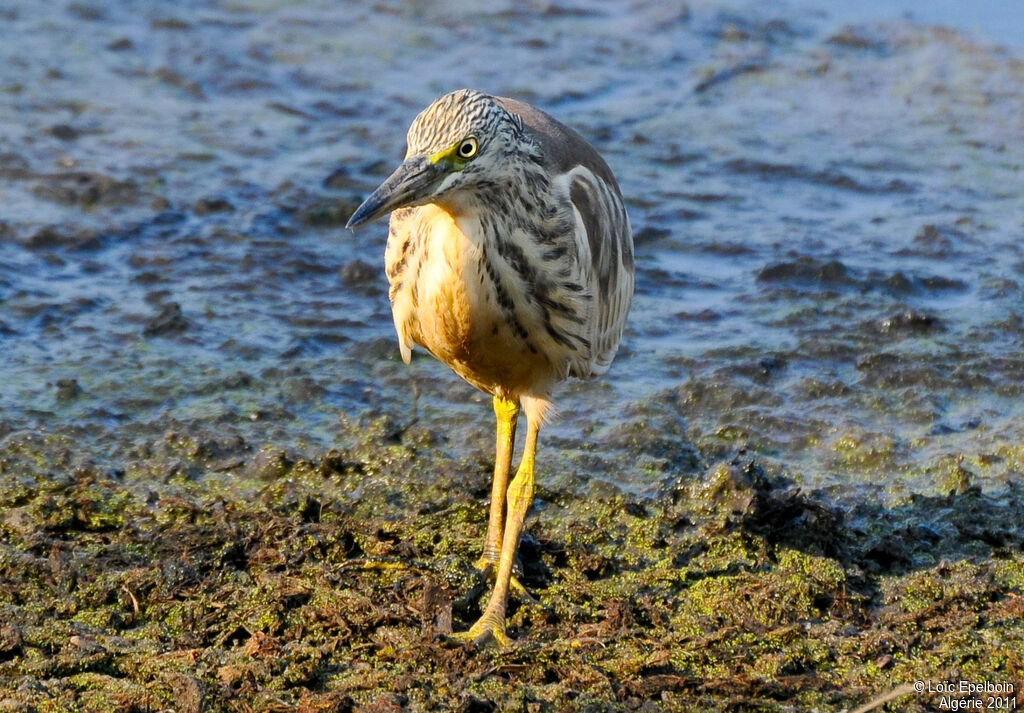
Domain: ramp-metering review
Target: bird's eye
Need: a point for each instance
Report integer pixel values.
(467, 149)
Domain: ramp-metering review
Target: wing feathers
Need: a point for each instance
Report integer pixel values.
(608, 243)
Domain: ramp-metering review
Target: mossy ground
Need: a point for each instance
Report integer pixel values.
(276, 583)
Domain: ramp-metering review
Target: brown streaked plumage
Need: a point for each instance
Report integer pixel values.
(510, 259)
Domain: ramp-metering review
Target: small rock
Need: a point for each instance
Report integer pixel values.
(67, 389)
(269, 464)
(206, 206)
(169, 321)
(120, 44)
(910, 320)
(64, 132)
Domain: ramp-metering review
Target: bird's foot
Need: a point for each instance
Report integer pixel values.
(488, 630)
(490, 568)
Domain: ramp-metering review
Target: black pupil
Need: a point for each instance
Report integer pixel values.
(467, 149)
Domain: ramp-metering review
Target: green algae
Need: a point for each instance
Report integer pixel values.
(290, 583)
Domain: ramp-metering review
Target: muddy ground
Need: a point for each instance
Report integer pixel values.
(214, 576)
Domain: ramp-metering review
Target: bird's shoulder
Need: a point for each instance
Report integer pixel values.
(562, 148)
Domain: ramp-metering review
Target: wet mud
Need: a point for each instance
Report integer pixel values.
(798, 488)
(265, 583)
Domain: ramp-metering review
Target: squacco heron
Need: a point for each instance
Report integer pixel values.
(510, 259)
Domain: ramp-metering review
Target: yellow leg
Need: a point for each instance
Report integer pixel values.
(491, 625)
(506, 413)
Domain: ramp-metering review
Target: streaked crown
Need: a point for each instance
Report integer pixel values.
(453, 117)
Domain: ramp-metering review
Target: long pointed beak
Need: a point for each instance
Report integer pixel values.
(412, 183)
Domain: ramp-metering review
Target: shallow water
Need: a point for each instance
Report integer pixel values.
(828, 221)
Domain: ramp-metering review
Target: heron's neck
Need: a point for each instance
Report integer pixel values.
(503, 208)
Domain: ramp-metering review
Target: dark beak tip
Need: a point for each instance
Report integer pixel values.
(406, 183)
(359, 217)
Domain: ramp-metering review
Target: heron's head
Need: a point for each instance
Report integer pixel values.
(458, 144)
